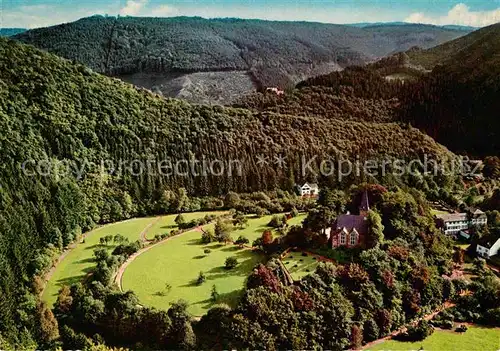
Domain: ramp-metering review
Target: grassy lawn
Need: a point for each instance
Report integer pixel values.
(79, 261)
(435, 212)
(298, 265)
(297, 220)
(167, 223)
(256, 226)
(177, 262)
(475, 338)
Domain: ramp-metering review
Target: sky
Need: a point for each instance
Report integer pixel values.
(41, 13)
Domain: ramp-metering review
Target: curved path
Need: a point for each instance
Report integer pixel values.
(145, 230)
(119, 274)
(73, 245)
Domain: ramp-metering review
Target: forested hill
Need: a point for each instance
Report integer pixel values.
(470, 50)
(159, 53)
(456, 102)
(52, 109)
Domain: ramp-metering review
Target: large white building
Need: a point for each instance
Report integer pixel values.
(453, 223)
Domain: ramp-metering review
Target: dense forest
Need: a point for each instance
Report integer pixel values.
(454, 103)
(276, 53)
(356, 94)
(53, 110)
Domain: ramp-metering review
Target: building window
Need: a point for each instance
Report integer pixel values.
(353, 239)
(342, 238)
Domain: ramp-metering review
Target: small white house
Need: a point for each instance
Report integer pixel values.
(488, 247)
(308, 189)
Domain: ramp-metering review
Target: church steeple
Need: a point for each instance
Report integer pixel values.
(364, 206)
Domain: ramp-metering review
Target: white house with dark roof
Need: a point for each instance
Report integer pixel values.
(308, 189)
(452, 223)
(488, 246)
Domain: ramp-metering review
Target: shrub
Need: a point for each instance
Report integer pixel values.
(207, 236)
(420, 331)
(242, 240)
(277, 221)
(214, 295)
(180, 219)
(201, 279)
(231, 262)
(447, 324)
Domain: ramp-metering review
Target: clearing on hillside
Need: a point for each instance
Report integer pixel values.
(79, 261)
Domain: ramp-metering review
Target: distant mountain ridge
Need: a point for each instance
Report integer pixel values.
(162, 53)
(467, 29)
(8, 32)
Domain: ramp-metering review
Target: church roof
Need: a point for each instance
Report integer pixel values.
(360, 223)
(364, 205)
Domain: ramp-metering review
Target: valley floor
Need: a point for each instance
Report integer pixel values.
(166, 272)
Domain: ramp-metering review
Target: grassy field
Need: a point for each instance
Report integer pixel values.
(475, 338)
(79, 261)
(298, 265)
(167, 223)
(256, 226)
(436, 212)
(179, 261)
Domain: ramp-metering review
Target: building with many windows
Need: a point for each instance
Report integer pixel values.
(453, 223)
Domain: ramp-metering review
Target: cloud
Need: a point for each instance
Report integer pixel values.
(460, 14)
(163, 11)
(133, 7)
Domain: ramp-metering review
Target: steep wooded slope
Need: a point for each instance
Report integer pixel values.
(472, 49)
(53, 110)
(456, 102)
